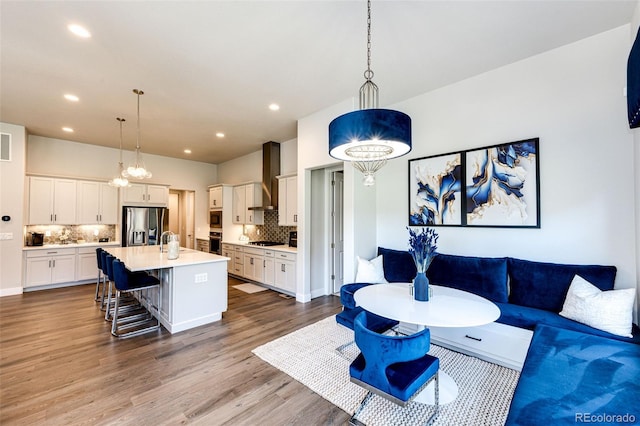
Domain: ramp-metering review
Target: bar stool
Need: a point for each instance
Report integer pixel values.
(105, 277)
(126, 282)
(99, 259)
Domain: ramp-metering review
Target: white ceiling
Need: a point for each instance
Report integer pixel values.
(209, 66)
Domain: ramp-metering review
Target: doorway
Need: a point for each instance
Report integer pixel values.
(182, 216)
(337, 230)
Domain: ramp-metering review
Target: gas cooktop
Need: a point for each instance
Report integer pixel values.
(265, 243)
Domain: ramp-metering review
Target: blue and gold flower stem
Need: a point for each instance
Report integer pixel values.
(422, 247)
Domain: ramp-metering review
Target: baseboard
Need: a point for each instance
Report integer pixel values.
(12, 291)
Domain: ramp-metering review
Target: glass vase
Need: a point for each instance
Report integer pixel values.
(421, 287)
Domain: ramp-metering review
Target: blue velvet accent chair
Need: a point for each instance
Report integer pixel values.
(126, 282)
(394, 367)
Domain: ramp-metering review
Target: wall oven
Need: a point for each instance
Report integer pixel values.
(215, 242)
(215, 219)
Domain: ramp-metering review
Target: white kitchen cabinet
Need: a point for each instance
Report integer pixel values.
(141, 195)
(86, 264)
(52, 201)
(45, 267)
(229, 251)
(215, 197)
(238, 262)
(244, 197)
(288, 200)
(285, 272)
(253, 263)
(97, 203)
(268, 265)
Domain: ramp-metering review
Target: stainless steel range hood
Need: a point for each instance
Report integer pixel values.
(270, 169)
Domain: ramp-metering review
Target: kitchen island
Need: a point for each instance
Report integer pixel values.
(193, 289)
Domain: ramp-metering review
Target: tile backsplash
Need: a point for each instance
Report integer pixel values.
(270, 231)
(59, 234)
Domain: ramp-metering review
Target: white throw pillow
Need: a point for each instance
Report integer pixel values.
(370, 271)
(610, 311)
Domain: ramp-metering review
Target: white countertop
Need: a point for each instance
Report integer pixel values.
(72, 245)
(281, 247)
(143, 258)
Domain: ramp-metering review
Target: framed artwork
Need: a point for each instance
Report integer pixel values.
(435, 190)
(502, 188)
(494, 186)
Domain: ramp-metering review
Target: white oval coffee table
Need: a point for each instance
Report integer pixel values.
(447, 307)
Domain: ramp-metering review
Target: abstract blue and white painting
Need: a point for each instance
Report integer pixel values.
(502, 185)
(435, 185)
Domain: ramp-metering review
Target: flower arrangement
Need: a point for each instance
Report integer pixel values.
(422, 247)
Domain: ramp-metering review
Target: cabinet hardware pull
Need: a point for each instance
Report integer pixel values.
(54, 263)
(50, 218)
(282, 267)
(49, 263)
(477, 339)
(295, 218)
(55, 217)
(52, 252)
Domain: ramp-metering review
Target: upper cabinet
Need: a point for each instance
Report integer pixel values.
(97, 203)
(141, 194)
(52, 201)
(245, 197)
(215, 197)
(288, 200)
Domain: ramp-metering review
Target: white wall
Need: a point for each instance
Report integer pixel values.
(635, 26)
(63, 158)
(359, 202)
(248, 168)
(572, 99)
(12, 204)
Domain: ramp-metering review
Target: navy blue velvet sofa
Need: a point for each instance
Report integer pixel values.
(530, 295)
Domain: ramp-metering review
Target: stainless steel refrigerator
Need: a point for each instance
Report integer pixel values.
(143, 226)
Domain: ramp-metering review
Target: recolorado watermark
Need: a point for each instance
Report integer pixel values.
(605, 418)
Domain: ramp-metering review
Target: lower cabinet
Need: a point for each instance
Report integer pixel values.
(86, 264)
(202, 245)
(253, 264)
(57, 267)
(271, 267)
(268, 265)
(285, 272)
(228, 250)
(45, 267)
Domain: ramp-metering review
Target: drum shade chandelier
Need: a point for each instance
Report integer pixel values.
(367, 138)
(137, 170)
(119, 180)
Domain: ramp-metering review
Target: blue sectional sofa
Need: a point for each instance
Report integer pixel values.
(605, 367)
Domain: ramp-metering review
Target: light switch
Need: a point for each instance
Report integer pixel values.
(6, 236)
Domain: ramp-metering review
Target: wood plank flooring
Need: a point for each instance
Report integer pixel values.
(60, 365)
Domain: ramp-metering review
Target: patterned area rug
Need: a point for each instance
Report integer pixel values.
(309, 355)
(249, 288)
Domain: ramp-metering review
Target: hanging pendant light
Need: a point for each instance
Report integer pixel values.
(370, 136)
(137, 170)
(119, 180)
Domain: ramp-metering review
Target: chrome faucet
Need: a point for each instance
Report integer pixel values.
(162, 239)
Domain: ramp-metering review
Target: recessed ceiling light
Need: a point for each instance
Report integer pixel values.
(67, 129)
(220, 135)
(274, 107)
(187, 151)
(72, 98)
(79, 30)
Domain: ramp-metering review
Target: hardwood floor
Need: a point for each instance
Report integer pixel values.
(59, 364)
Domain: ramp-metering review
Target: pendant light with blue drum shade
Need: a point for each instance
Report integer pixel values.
(367, 138)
